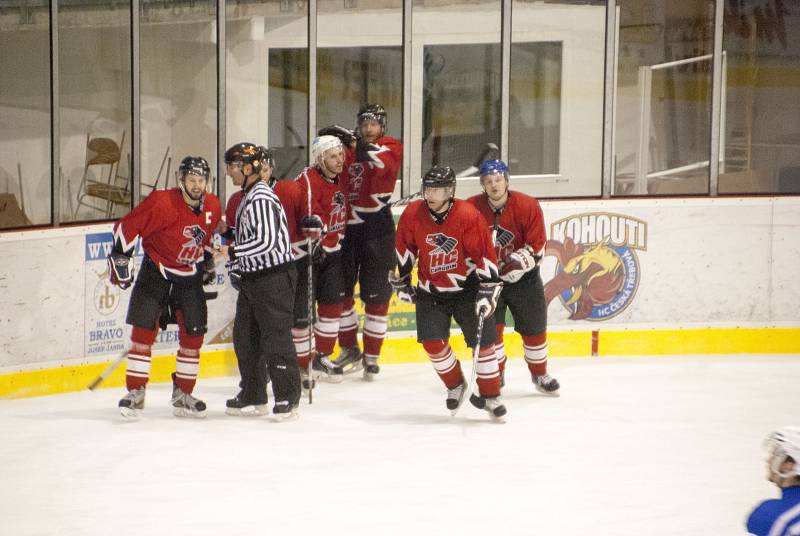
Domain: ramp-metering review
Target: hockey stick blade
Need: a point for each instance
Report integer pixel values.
(108, 370)
(468, 388)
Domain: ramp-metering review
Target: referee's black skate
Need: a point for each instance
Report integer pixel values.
(491, 404)
(132, 403)
(240, 405)
(322, 368)
(284, 411)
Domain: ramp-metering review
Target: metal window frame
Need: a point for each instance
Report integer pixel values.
(55, 120)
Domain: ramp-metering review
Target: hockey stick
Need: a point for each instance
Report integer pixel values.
(475, 167)
(405, 200)
(473, 375)
(311, 343)
(108, 370)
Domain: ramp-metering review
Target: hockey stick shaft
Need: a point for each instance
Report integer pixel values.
(311, 346)
(108, 370)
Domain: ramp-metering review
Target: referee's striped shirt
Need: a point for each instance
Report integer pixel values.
(262, 235)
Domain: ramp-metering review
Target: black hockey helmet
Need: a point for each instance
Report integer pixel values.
(266, 156)
(246, 153)
(439, 177)
(373, 112)
(196, 165)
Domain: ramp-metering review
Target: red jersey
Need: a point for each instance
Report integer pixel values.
(369, 185)
(295, 205)
(447, 253)
(230, 208)
(328, 202)
(519, 223)
(172, 234)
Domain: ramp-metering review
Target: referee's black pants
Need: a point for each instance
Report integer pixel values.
(262, 335)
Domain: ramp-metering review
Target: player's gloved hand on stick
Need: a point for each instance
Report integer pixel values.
(486, 301)
(517, 264)
(345, 135)
(120, 269)
(312, 227)
(209, 270)
(402, 286)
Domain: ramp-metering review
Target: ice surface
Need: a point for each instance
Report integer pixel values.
(634, 446)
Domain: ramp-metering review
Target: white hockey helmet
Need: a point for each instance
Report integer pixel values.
(323, 144)
(783, 447)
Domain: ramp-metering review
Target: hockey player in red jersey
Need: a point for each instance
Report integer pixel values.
(518, 233)
(372, 164)
(174, 227)
(322, 219)
(457, 279)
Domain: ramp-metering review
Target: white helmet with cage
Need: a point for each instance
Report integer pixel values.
(323, 144)
(783, 447)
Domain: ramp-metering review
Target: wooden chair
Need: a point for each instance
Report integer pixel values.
(105, 184)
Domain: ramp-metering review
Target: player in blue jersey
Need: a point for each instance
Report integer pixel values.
(780, 517)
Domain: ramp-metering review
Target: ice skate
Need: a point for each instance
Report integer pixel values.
(371, 368)
(243, 407)
(322, 368)
(185, 405)
(454, 398)
(284, 411)
(350, 360)
(492, 405)
(131, 404)
(546, 384)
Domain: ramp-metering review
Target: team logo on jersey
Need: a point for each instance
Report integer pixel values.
(338, 213)
(444, 255)
(597, 271)
(356, 172)
(503, 242)
(192, 249)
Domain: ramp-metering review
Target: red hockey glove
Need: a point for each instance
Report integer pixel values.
(516, 265)
(120, 270)
(486, 300)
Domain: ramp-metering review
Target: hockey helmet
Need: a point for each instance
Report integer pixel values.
(372, 112)
(244, 153)
(783, 446)
(439, 177)
(195, 165)
(323, 144)
(492, 167)
(266, 156)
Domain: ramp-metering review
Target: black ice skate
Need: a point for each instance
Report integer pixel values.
(322, 368)
(244, 406)
(284, 411)
(455, 397)
(131, 404)
(546, 384)
(350, 360)
(491, 404)
(185, 405)
(371, 368)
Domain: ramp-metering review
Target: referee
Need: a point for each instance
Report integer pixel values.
(262, 256)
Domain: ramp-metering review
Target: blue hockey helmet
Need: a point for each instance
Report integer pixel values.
(492, 167)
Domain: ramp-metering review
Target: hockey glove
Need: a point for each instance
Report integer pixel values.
(516, 265)
(312, 227)
(318, 255)
(486, 301)
(209, 270)
(402, 286)
(345, 135)
(120, 269)
(234, 276)
(368, 152)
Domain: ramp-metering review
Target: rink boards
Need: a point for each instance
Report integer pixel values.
(624, 277)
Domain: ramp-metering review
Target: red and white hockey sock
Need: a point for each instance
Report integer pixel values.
(302, 346)
(348, 324)
(326, 328)
(535, 347)
(187, 362)
(444, 362)
(139, 355)
(375, 328)
(488, 372)
(500, 347)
